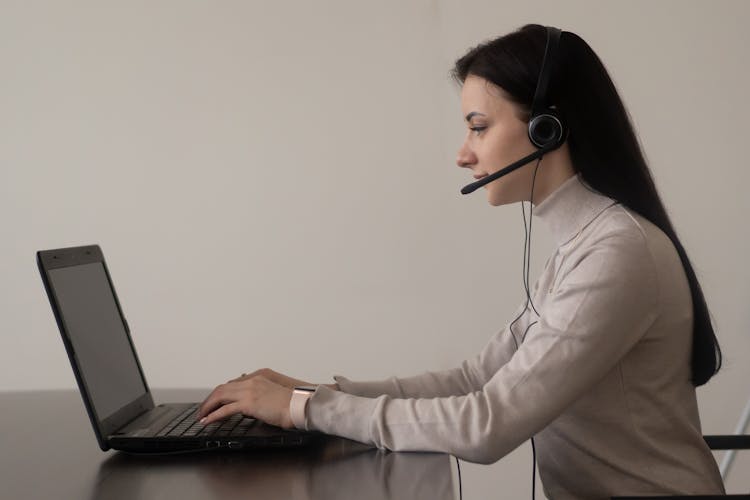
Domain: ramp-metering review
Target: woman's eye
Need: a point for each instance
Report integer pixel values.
(477, 129)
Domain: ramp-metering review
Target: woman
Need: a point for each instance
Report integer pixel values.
(600, 364)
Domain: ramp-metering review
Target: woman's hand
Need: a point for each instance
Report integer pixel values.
(253, 396)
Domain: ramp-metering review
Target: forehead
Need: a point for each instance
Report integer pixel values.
(478, 94)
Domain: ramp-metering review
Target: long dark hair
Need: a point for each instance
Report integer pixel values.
(603, 146)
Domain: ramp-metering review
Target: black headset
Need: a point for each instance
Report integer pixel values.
(546, 127)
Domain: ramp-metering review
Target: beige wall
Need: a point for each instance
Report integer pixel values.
(273, 183)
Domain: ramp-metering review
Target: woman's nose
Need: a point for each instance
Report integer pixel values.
(465, 157)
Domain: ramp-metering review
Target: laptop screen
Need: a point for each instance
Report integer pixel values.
(105, 358)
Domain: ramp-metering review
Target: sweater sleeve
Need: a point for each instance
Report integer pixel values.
(600, 309)
(470, 376)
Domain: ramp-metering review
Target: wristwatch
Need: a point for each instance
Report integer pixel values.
(298, 403)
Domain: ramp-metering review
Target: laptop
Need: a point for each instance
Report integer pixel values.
(109, 374)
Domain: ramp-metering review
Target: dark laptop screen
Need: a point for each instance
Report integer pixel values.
(93, 322)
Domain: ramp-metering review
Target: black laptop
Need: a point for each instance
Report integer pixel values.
(109, 374)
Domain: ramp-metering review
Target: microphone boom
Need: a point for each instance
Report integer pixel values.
(470, 188)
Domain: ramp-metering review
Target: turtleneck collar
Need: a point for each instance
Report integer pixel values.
(570, 208)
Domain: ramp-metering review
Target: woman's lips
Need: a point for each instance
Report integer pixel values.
(479, 176)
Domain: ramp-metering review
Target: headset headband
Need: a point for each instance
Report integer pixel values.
(550, 50)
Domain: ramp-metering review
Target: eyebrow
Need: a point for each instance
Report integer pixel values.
(473, 114)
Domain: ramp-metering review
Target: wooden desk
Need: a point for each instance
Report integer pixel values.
(38, 461)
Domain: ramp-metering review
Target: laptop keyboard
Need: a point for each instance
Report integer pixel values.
(186, 425)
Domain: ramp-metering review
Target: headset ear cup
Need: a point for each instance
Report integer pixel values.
(545, 128)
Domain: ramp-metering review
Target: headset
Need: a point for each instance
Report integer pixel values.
(545, 125)
(547, 129)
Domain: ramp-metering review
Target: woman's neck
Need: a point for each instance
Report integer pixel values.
(556, 168)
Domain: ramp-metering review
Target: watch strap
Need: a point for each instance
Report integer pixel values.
(298, 404)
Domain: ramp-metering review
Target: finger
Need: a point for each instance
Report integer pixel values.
(208, 402)
(222, 395)
(221, 413)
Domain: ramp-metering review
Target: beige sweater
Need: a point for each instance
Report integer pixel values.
(601, 381)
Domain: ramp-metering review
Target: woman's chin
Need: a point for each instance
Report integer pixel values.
(497, 200)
